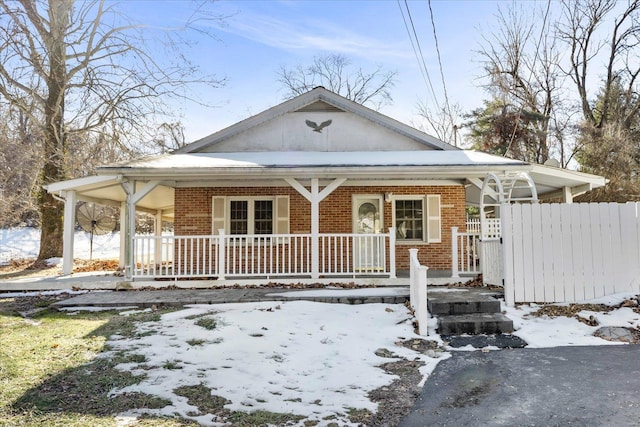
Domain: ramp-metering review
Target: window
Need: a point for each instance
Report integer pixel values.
(417, 218)
(409, 219)
(250, 215)
(263, 217)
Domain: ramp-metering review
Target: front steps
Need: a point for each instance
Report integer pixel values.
(467, 311)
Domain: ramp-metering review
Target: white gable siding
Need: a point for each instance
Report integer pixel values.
(347, 132)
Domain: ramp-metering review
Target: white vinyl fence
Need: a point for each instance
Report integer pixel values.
(570, 252)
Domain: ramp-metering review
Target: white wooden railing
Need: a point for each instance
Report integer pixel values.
(468, 248)
(418, 291)
(465, 252)
(260, 255)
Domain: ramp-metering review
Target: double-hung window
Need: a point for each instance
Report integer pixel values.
(417, 218)
(250, 215)
(410, 219)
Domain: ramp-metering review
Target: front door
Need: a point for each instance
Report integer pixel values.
(367, 223)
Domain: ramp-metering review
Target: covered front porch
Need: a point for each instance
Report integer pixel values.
(315, 215)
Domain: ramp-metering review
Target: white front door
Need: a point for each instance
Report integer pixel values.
(367, 221)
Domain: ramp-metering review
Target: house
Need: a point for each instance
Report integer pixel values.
(318, 186)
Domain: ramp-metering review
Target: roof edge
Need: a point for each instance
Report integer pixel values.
(322, 94)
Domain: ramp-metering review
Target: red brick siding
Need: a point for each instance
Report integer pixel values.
(193, 214)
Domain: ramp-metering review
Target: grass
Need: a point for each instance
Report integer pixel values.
(50, 372)
(201, 397)
(208, 323)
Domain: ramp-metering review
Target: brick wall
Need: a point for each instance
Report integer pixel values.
(193, 214)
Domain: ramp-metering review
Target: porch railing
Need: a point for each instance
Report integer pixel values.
(418, 291)
(260, 255)
(465, 252)
(467, 247)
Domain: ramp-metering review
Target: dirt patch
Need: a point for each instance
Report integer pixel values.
(396, 399)
(26, 306)
(31, 267)
(477, 282)
(572, 310)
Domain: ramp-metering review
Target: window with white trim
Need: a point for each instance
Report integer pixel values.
(409, 219)
(417, 218)
(250, 215)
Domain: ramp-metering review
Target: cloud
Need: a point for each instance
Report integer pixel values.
(313, 35)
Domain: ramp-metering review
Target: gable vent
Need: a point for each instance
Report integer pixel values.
(319, 106)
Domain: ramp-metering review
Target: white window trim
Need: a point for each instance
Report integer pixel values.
(251, 211)
(422, 199)
(220, 218)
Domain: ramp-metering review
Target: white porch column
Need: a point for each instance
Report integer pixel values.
(129, 228)
(454, 253)
(315, 229)
(315, 196)
(134, 195)
(157, 231)
(122, 260)
(567, 195)
(68, 231)
(392, 252)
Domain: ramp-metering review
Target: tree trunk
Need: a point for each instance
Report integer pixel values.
(51, 210)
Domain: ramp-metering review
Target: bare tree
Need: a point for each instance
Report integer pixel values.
(445, 123)
(20, 159)
(86, 69)
(521, 63)
(170, 136)
(603, 39)
(585, 32)
(334, 72)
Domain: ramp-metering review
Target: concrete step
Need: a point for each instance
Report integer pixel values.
(474, 323)
(454, 301)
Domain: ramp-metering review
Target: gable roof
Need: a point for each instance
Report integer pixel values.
(314, 100)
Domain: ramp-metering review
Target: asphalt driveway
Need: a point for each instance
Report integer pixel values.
(561, 386)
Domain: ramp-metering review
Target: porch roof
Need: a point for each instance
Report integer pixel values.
(258, 168)
(425, 163)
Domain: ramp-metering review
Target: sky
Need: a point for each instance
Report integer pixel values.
(257, 38)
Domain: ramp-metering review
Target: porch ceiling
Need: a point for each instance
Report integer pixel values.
(107, 190)
(550, 182)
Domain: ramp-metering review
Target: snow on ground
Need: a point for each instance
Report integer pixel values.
(545, 331)
(24, 242)
(305, 358)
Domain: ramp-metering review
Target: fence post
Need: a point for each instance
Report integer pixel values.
(506, 247)
(222, 244)
(455, 274)
(421, 310)
(392, 252)
(413, 272)
(418, 291)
